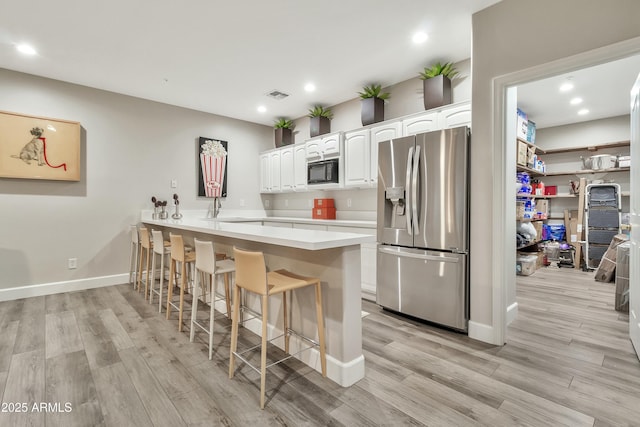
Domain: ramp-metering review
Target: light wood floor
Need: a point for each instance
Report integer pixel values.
(118, 362)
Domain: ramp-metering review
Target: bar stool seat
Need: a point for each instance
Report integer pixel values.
(209, 264)
(179, 256)
(252, 276)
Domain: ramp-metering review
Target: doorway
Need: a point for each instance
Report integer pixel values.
(504, 97)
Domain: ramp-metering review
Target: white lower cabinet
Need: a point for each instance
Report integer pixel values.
(367, 260)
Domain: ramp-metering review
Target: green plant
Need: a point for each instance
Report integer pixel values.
(283, 123)
(437, 69)
(320, 111)
(373, 91)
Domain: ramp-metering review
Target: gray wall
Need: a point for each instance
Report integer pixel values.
(131, 150)
(511, 36)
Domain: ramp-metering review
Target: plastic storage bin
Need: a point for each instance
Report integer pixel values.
(526, 265)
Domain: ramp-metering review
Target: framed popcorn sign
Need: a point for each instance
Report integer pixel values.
(212, 170)
(39, 148)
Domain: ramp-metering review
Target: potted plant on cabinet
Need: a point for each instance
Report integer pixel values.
(283, 132)
(437, 84)
(372, 104)
(320, 120)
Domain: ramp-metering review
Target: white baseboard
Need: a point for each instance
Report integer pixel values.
(512, 313)
(10, 294)
(482, 332)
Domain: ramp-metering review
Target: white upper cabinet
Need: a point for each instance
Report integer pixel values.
(270, 171)
(287, 167)
(265, 173)
(328, 146)
(459, 115)
(426, 122)
(378, 134)
(299, 167)
(356, 158)
(274, 166)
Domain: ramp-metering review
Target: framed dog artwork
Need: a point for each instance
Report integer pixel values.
(39, 148)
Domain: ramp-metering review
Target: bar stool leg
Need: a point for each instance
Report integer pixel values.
(226, 294)
(234, 329)
(153, 278)
(263, 355)
(183, 284)
(320, 321)
(194, 303)
(211, 319)
(285, 322)
(172, 268)
(140, 268)
(146, 278)
(161, 283)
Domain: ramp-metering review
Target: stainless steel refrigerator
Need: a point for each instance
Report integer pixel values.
(423, 226)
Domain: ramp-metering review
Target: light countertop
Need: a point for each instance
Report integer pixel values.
(237, 228)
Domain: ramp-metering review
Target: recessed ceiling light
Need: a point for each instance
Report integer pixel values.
(309, 87)
(419, 37)
(262, 109)
(26, 49)
(575, 101)
(566, 87)
(583, 112)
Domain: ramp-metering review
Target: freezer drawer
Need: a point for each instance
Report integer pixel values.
(428, 285)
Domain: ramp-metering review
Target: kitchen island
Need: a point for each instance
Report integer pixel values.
(334, 257)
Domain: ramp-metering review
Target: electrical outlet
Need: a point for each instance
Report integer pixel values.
(174, 183)
(349, 203)
(286, 203)
(266, 203)
(241, 203)
(72, 263)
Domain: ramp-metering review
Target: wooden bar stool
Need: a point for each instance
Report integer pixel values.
(184, 258)
(252, 276)
(133, 256)
(161, 249)
(145, 259)
(207, 268)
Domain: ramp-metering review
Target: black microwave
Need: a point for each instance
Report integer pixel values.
(323, 172)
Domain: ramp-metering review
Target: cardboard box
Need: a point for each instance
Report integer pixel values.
(522, 153)
(324, 213)
(573, 227)
(624, 161)
(542, 208)
(531, 132)
(323, 203)
(607, 266)
(522, 125)
(532, 157)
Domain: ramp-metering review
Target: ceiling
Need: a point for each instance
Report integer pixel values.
(604, 90)
(224, 57)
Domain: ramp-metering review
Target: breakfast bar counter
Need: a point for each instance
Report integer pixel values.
(334, 257)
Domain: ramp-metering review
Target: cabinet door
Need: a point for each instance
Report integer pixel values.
(313, 148)
(286, 169)
(330, 144)
(299, 167)
(274, 170)
(418, 124)
(459, 115)
(379, 134)
(265, 173)
(356, 158)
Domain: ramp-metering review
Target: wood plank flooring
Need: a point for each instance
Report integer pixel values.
(118, 362)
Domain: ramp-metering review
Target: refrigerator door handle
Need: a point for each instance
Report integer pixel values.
(397, 253)
(414, 191)
(407, 189)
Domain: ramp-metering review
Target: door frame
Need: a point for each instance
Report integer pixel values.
(503, 245)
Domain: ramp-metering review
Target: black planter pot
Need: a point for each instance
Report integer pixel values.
(437, 92)
(319, 126)
(283, 136)
(372, 111)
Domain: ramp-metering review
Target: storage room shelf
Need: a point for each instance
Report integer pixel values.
(529, 245)
(588, 148)
(531, 171)
(530, 219)
(584, 171)
(538, 149)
